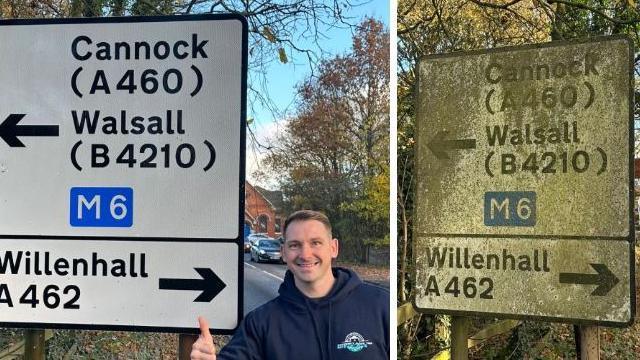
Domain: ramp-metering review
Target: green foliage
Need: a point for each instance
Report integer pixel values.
(379, 243)
(62, 343)
(536, 340)
(97, 8)
(524, 339)
(9, 337)
(594, 17)
(373, 205)
(152, 7)
(620, 343)
(118, 7)
(87, 8)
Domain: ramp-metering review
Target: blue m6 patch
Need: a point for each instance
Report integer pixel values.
(101, 207)
(510, 208)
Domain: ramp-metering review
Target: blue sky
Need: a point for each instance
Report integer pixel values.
(283, 78)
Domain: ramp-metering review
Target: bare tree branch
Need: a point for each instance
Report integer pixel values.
(495, 6)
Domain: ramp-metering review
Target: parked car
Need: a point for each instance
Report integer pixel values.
(249, 239)
(257, 236)
(266, 250)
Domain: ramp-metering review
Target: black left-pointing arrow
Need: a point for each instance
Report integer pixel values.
(604, 279)
(10, 130)
(439, 145)
(210, 284)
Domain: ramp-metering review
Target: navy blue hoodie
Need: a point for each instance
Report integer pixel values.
(351, 322)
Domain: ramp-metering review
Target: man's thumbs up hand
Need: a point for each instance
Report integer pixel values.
(203, 348)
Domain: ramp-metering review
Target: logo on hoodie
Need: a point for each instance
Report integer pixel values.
(354, 342)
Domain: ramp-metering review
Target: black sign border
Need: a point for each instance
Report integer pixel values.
(239, 241)
(630, 238)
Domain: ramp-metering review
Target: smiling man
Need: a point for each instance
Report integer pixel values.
(322, 312)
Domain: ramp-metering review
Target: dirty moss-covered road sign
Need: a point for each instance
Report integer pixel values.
(524, 183)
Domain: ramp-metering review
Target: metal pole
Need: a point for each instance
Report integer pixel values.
(459, 333)
(34, 344)
(587, 342)
(185, 341)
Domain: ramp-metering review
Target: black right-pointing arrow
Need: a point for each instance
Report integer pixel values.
(210, 284)
(604, 279)
(10, 130)
(439, 145)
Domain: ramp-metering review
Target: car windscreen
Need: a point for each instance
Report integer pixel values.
(269, 244)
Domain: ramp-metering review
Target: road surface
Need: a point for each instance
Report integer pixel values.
(261, 282)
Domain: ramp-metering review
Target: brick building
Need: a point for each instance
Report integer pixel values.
(263, 210)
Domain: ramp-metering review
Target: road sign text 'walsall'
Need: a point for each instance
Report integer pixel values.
(123, 172)
(524, 183)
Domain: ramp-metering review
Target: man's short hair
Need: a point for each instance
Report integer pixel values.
(306, 215)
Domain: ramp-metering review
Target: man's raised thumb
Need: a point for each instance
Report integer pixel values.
(204, 328)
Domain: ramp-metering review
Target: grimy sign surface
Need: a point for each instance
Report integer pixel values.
(524, 183)
(122, 172)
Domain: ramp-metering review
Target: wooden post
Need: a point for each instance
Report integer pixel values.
(34, 344)
(459, 334)
(587, 342)
(185, 341)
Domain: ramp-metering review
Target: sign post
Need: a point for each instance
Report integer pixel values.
(122, 172)
(524, 190)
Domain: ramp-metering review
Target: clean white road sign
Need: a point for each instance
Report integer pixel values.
(122, 171)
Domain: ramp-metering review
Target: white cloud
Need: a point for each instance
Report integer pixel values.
(265, 135)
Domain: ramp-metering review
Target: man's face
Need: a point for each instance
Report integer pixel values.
(308, 250)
